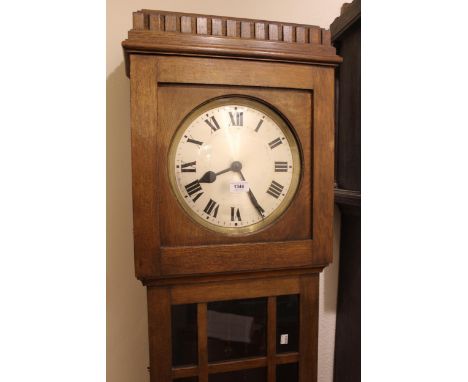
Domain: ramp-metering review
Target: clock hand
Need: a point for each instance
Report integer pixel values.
(252, 198)
(236, 166)
(210, 176)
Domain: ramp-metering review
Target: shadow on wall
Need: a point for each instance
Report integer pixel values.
(127, 328)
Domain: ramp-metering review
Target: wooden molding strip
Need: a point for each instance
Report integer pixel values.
(165, 32)
(185, 260)
(263, 274)
(209, 25)
(350, 12)
(233, 290)
(235, 365)
(185, 372)
(347, 197)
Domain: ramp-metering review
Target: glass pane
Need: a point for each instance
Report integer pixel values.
(184, 335)
(287, 373)
(236, 329)
(251, 375)
(188, 379)
(287, 321)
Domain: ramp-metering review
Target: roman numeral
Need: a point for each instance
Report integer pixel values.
(275, 142)
(212, 207)
(237, 119)
(213, 123)
(235, 214)
(258, 126)
(188, 167)
(281, 166)
(194, 188)
(190, 140)
(275, 189)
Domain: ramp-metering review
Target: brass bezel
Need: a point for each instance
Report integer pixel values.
(280, 120)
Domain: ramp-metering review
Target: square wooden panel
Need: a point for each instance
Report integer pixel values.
(167, 242)
(175, 102)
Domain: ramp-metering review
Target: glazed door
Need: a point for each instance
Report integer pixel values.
(262, 330)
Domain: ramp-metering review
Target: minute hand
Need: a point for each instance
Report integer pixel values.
(254, 201)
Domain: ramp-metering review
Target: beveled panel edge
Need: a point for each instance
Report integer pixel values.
(234, 290)
(187, 260)
(232, 276)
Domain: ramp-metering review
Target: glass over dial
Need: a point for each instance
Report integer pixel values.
(234, 165)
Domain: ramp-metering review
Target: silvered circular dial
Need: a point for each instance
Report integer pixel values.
(234, 165)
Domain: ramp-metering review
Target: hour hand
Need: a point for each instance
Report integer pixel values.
(208, 177)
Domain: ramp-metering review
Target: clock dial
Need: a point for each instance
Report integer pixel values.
(234, 165)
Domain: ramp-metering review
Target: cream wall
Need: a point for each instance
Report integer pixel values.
(127, 345)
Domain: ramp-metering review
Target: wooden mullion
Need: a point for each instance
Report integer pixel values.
(145, 164)
(184, 372)
(202, 312)
(244, 364)
(271, 339)
(241, 364)
(159, 320)
(308, 328)
(281, 359)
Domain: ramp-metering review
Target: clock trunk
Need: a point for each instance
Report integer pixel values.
(230, 307)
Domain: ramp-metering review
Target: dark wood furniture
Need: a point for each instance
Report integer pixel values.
(346, 37)
(195, 277)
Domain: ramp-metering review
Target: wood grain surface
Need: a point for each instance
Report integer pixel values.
(161, 32)
(161, 298)
(177, 61)
(159, 321)
(346, 35)
(144, 135)
(167, 241)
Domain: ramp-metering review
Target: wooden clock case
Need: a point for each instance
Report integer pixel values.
(175, 63)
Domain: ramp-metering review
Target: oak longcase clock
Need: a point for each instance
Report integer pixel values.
(232, 170)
